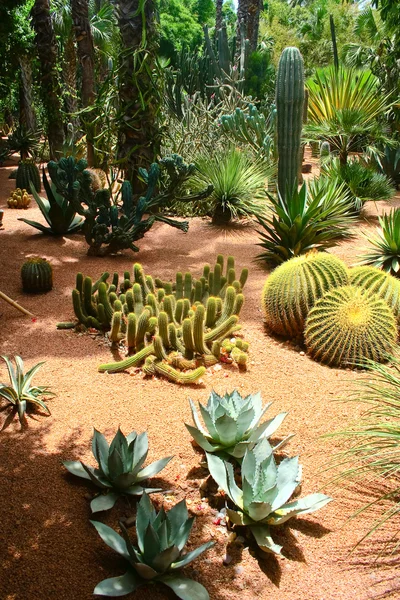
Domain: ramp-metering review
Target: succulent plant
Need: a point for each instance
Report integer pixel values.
(19, 199)
(264, 500)
(293, 288)
(385, 251)
(290, 96)
(20, 392)
(159, 554)
(378, 282)
(348, 325)
(37, 275)
(233, 424)
(27, 174)
(120, 467)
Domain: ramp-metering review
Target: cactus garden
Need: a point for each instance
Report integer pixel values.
(200, 300)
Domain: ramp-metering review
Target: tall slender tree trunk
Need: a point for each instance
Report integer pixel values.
(51, 93)
(27, 116)
(249, 13)
(139, 136)
(218, 15)
(69, 74)
(84, 39)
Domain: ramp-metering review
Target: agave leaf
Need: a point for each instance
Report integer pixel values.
(115, 463)
(267, 428)
(75, 467)
(153, 468)
(217, 469)
(145, 571)
(209, 423)
(26, 381)
(137, 490)
(182, 535)
(120, 444)
(258, 511)
(111, 538)
(192, 555)
(161, 527)
(100, 450)
(8, 393)
(124, 481)
(11, 372)
(145, 515)
(177, 516)
(103, 502)
(235, 493)
(309, 504)
(140, 450)
(200, 438)
(151, 545)
(236, 517)
(36, 225)
(164, 560)
(21, 408)
(96, 479)
(264, 540)
(196, 418)
(283, 442)
(184, 588)
(227, 430)
(244, 421)
(118, 586)
(286, 481)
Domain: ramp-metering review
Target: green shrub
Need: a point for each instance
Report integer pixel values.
(385, 253)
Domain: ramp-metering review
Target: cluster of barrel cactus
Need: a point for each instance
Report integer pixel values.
(19, 199)
(346, 315)
(177, 329)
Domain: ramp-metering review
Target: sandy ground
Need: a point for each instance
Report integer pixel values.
(49, 550)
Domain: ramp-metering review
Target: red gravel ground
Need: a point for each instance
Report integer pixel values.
(49, 550)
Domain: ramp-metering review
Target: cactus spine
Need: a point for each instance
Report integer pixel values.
(348, 325)
(289, 105)
(37, 275)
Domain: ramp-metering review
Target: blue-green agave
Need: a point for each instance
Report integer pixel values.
(266, 490)
(233, 424)
(161, 538)
(119, 469)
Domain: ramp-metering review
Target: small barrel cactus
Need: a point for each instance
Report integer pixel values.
(28, 172)
(294, 287)
(37, 275)
(348, 325)
(378, 282)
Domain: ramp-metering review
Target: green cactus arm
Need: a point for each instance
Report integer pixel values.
(131, 361)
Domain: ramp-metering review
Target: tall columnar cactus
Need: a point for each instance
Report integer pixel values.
(37, 275)
(294, 287)
(289, 105)
(28, 172)
(348, 325)
(380, 283)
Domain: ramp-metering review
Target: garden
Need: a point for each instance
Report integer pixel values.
(200, 299)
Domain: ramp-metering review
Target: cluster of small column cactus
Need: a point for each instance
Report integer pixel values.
(177, 329)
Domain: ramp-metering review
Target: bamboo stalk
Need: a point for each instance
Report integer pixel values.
(15, 304)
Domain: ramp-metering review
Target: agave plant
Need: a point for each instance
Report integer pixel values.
(233, 424)
(119, 469)
(20, 393)
(57, 210)
(24, 141)
(238, 181)
(264, 499)
(161, 538)
(386, 245)
(305, 219)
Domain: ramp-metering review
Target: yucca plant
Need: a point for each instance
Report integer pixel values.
(386, 245)
(119, 469)
(345, 108)
(24, 141)
(19, 393)
(159, 554)
(233, 424)
(57, 210)
(313, 218)
(373, 442)
(361, 181)
(264, 499)
(238, 180)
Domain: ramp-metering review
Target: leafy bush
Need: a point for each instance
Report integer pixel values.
(313, 217)
(159, 554)
(238, 182)
(21, 393)
(119, 467)
(386, 245)
(362, 182)
(264, 499)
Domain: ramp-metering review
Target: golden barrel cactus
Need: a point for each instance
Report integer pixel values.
(293, 288)
(378, 282)
(348, 325)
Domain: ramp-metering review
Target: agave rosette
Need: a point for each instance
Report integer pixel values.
(161, 538)
(233, 423)
(120, 467)
(266, 490)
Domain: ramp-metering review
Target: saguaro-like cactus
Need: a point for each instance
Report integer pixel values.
(289, 106)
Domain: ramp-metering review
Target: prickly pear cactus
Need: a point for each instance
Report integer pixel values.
(378, 282)
(348, 325)
(37, 275)
(293, 288)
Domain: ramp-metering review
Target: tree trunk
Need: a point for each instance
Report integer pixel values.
(27, 116)
(138, 135)
(69, 73)
(249, 12)
(218, 16)
(84, 39)
(50, 89)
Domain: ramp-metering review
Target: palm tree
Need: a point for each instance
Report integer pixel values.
(346, 109)
(249, 12)
(47, 51)
(138, 135)
(218, 14)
